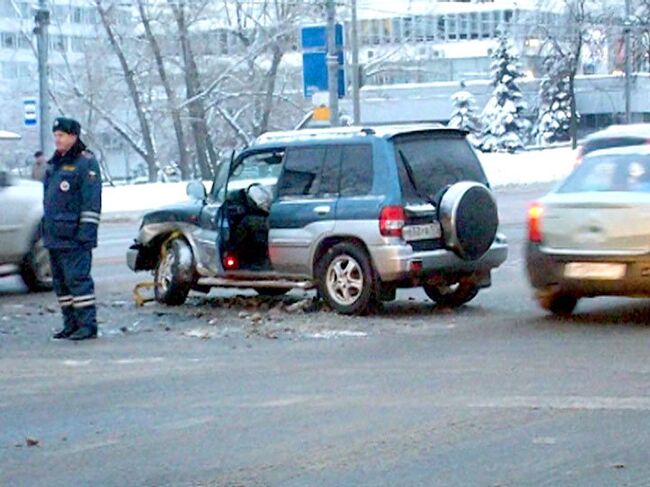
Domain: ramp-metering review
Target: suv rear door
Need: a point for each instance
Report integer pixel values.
(305, 206)
(427, 164)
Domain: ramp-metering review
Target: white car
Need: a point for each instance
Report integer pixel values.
(21, 248)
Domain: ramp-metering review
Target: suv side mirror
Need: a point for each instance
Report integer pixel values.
(196, 190)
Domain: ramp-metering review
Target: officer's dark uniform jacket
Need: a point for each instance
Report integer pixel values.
(72, 196)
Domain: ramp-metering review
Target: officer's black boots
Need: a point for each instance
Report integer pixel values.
(63, 334)
(69, 324)
(83, 333)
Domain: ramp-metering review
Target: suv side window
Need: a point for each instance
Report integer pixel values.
(302, 171)
(356, 170)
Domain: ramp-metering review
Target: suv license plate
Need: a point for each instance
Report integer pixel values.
(599, 271)
(430, 231)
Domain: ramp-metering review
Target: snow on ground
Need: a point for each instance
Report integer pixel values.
(530, 167)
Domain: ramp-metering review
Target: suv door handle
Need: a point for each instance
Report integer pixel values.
(322, 210)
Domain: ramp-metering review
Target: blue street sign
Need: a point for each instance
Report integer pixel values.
(314, 71)
(314, 59)
(30, 112)
(315, 37)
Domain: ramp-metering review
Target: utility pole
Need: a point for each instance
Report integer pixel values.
(628, 61)
(332, 64)
(42, 19)
(356, 82)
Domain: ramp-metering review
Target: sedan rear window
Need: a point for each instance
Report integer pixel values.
(611, 142)
(628, 173)
(435, 161)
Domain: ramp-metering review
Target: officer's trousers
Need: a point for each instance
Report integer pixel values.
(74, 287)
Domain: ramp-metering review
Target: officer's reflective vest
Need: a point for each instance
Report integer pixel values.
(72, 202)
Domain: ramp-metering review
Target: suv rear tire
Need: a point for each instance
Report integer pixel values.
(469, 218)
(346, 279)
(452, 295)
(174, 273)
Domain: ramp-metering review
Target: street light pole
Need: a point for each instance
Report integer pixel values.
(628, 62)
(332, 64)
(42, 20)
(356, 102)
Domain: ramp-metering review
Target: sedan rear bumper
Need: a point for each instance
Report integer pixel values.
(547, 272)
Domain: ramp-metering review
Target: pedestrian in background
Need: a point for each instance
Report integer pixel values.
(40, 166)
(72, 206)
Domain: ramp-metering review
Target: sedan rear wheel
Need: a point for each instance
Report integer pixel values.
(35, 269)
(558, 304)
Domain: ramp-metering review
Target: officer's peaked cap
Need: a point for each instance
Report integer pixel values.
(67, 125)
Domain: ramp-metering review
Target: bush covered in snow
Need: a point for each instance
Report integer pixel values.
(464, 114)
(554, 116)
(505, 129)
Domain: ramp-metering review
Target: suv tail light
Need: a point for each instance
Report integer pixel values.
(391, 221)
(579, 156)
(535, 213)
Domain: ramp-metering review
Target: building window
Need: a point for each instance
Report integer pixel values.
(60, 14)
(441, 32)
(474, 26)
(9, 40)
(452, 32)
(407, 31)
(77, 44)
(24, 41)
(9, 70)
(77, 15)
(463, 25)
(58, 43)
(397, 30)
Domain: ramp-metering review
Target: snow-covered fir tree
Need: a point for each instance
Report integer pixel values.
(554, 116)
(505, 129)
(464, 115)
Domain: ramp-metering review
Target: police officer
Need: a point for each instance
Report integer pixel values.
(72, 206)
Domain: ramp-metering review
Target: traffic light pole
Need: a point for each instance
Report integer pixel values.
(628, 62)
(332, 64)
(42, 20)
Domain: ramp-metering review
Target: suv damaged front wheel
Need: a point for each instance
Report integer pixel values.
(346, 279)
(174, 273)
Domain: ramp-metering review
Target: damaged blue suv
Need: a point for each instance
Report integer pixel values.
(354, 212)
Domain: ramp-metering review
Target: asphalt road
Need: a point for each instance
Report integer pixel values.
(494, 394)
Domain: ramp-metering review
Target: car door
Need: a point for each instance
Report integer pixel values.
(208, 237)
(305, 207)
(17, 204)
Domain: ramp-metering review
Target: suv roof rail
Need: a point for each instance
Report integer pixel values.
(316, 132)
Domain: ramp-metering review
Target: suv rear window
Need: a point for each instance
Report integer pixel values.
(436, 161)
(356, 170)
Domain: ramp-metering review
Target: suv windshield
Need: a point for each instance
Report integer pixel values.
(610, 173)
(434, 162)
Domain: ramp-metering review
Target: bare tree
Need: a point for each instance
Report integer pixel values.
(172, 100)
(149, 152)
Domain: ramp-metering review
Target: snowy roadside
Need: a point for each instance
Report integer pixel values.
(503, 171)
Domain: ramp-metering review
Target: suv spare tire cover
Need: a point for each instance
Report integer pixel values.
(469, 218)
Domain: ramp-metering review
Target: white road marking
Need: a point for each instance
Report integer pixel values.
(586, 403)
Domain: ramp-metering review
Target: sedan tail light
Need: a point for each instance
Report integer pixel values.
(391, 221)
(535, 213)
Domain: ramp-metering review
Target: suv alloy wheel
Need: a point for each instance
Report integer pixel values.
(346, 279)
